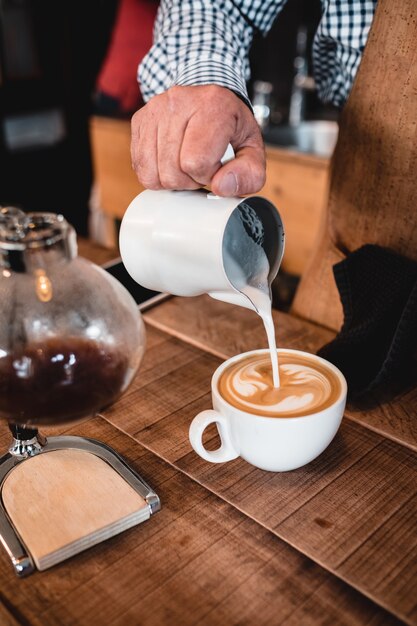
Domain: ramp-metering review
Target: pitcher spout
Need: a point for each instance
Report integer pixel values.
(235, 297)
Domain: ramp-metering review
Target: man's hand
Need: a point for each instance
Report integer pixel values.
(179, 137)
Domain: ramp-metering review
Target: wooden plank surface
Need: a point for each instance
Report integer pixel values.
(224, 330)
(6, 618)
(336, 508)
(197, 561)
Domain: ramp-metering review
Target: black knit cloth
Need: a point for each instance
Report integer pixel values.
(376, 346)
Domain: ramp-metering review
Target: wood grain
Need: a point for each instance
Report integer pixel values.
(198, 561)
(145, 404)
(329, 510)
(297, 185)
(77, 495)
(395, 537)
(224, 330)
(114, 177)
(6, 618)
(373, 170)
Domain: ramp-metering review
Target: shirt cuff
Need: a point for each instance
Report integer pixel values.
(212, 72)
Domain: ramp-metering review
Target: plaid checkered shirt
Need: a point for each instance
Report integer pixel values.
(204, 42)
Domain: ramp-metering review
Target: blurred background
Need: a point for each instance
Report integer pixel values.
(282, 63)
(50, 55)
(68, 89)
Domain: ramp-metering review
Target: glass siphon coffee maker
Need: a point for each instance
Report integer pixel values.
(71, 341)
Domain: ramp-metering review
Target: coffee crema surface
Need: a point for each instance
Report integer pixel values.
(307, 386)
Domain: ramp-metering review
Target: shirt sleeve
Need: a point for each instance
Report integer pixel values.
(338, 46)
(203, 42)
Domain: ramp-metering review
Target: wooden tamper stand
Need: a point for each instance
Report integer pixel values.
(62, 495)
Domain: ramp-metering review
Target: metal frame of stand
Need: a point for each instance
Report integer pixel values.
(23, 449)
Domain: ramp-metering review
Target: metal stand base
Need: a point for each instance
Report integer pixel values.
(22, 450)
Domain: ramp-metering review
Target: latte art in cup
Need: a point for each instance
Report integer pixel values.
(274, 428)
(307, 386)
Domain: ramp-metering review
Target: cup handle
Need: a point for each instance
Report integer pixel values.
(227, 451)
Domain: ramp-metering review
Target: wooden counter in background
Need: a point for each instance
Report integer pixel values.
(115, 183)
(95, 252)
(297, 185)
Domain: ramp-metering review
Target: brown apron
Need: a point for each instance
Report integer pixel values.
(373, 184)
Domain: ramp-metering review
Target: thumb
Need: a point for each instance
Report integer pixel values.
(242, 175)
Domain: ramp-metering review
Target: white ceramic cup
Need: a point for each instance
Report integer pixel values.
(277, 444)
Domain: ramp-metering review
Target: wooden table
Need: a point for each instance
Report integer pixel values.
(331, 543)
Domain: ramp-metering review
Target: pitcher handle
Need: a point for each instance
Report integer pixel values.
(227, 451)
(229, 155)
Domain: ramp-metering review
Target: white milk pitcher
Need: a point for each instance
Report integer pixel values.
(187, 243)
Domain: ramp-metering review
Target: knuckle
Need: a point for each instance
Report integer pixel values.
(149, 180)
(137, 164)
(170, 180)
(195, 166)
(258, 176)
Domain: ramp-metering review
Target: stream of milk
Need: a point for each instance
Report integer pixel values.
(248, 270)
(263, 304)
